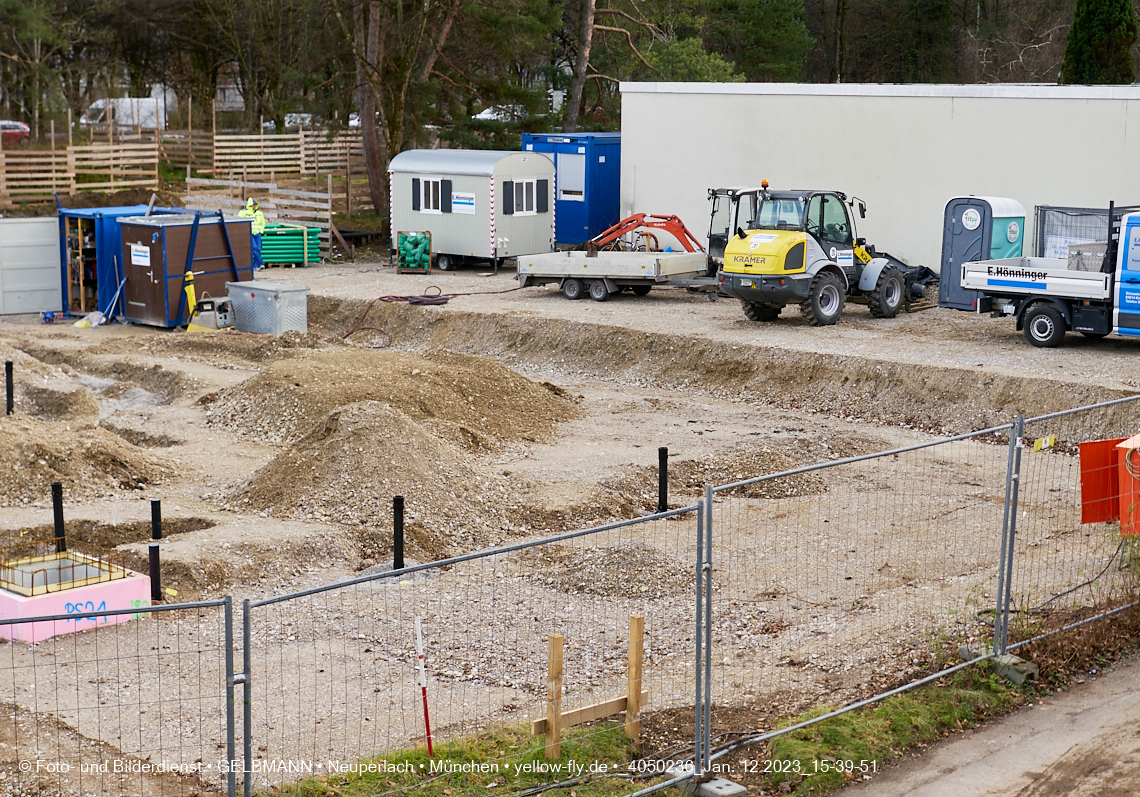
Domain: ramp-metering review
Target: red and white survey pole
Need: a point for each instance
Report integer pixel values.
(423, 683)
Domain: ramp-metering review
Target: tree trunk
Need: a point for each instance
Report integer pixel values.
(369, 31)
(579, 83)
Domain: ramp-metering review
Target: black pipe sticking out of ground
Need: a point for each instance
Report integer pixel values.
(663, 479)
(57, 509)
(155, 564)
(397, 532)
(8, 387)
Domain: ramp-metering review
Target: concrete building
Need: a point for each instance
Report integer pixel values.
(904, 149)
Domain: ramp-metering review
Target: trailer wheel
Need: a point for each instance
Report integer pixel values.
(760, 312)
(641, 290)
(1044, 326)
(598, 291)
(445, 263)
(573, 289)
(887, 297)
(824, 304)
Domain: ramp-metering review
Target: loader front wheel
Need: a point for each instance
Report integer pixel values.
(887, 297)
(760, 312)
(824, 304)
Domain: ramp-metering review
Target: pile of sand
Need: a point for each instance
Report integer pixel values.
(472, 402)
(89, 461)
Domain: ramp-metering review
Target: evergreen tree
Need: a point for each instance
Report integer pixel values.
(1099, 47)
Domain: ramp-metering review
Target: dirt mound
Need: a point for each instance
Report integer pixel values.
(109, 535)
(221, 347)
(473, 402)
(348, 468)
(90, 461)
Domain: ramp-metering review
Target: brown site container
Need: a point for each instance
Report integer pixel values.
(154, 256)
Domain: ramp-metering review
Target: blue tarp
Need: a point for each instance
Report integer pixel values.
(108, 248)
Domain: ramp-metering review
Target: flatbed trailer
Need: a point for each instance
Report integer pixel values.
(603, 273)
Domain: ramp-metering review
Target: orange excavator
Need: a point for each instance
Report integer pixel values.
(644, 240)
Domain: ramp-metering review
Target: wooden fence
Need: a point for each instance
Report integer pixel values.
(311, 208)
(33, 175)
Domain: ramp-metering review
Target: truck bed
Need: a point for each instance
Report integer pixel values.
(651, 267)
(1036, 275)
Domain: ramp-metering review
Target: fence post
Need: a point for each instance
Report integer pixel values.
(1008, 537)
(634, 678)
(554, 696)
(397, 532)
(698, 639)
(707, 567)
(57, 511)
(231, 783)
(247, 698)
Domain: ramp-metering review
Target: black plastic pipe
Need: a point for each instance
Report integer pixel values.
(155, 577)
(663, 479)
(9, 387)
(397, 532)
(156, 519)
(57, 509)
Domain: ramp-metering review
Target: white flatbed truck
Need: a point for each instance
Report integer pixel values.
(603, 273)
(1048, 298)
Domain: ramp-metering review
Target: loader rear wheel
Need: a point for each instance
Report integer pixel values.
(760, 312)
(598, 291)
(824, 304)
(1044, 326)
(887, 297)
(573, 289)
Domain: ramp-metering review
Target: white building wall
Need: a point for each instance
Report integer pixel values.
(904, 149)
(30, 264)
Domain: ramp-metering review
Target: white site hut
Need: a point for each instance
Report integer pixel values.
(477, 204)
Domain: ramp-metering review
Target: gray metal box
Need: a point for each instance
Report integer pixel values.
(269, 307)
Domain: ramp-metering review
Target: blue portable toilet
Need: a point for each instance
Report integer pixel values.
(588, 179)
(91, 251)
(976, 228)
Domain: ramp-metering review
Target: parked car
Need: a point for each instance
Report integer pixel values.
(14, 133)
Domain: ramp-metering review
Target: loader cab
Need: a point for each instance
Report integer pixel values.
(730, 208)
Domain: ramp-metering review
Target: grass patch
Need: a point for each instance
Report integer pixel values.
(507, 760)
(831, 753)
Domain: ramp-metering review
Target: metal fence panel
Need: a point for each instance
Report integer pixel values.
(841, 582)
(334, 676)
(133, 708)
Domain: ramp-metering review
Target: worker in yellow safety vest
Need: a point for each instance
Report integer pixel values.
(252, 210)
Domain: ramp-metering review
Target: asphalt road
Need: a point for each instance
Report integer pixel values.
(1082, 743)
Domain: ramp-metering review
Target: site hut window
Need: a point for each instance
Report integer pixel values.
(526, 197)
(431, 195)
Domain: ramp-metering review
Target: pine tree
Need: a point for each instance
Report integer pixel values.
(1098, 48)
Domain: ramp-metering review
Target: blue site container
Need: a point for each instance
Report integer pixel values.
(588, 169)
(91, 251)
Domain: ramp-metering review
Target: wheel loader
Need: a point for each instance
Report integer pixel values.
(775, 248)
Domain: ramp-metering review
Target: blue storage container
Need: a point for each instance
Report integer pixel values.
(588, 168)
(91, 250)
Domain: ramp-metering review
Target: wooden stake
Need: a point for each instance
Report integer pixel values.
(348, 182)
(53, 135)
(554, 697)
(69, 126)
(633, 695)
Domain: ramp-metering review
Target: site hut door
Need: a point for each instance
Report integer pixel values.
(144, 261)
(966, 233)
(1127, 314)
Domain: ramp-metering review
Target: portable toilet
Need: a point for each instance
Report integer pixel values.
(476, 203)
(91, 265)
(976, 228)
(588, 166)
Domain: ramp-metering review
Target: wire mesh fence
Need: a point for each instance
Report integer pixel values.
(126, 702)
(839, 581)
(334, 675)
(1071, 553)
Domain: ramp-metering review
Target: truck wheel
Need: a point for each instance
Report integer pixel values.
(445, 263)
(887, 297)
(641, 290)
(573, 289)
(1044, 326)
(598, 291)
(824, 304)
(760, 312)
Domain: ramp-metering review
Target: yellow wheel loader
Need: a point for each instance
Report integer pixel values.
(777, 248)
